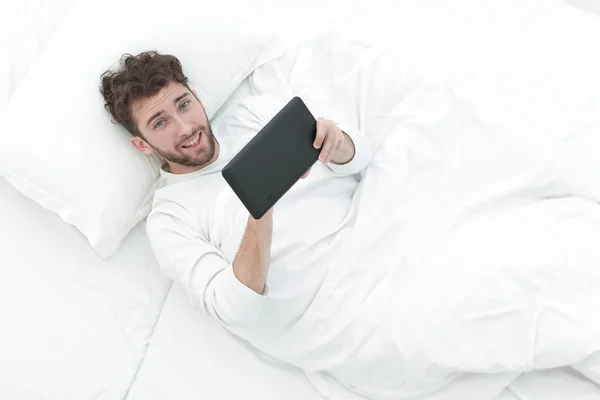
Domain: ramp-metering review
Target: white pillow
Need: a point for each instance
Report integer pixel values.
(58, 145)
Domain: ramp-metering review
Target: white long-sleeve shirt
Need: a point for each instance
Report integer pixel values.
(197, 225)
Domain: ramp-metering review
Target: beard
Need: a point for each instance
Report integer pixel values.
(202, 157)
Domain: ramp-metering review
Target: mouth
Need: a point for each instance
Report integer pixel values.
(193, 142)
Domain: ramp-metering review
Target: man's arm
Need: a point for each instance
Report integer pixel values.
(188, 258)
(251, 264)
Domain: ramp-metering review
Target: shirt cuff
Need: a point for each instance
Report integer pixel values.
(234, 303)
(363, 153)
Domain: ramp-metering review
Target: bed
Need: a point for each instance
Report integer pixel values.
(76, 325)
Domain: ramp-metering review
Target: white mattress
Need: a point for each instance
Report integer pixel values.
(191, 357)
(73, 326)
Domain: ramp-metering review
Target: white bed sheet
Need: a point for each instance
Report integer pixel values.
(191, 357)
(555, 384)
(73, 326)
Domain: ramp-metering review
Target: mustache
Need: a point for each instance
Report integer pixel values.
(196, 131)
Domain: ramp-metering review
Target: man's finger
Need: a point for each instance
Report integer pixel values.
(326, 151)
(321, 133)
(336, 147)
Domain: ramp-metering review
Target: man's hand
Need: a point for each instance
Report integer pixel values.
(336, 146)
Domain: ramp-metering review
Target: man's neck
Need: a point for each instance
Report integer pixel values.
(178, 169)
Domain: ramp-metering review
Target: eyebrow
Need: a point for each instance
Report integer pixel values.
(177, 100)
(180, 97)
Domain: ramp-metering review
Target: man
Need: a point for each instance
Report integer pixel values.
(202, 236)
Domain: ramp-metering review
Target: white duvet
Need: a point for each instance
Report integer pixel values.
(474, 256)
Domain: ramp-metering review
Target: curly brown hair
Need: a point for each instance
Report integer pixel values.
(138, 77)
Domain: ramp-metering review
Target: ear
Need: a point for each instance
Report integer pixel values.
(141, 145)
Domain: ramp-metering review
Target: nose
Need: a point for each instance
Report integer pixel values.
(184, 128)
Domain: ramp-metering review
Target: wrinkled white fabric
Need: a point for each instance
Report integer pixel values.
(471, 255)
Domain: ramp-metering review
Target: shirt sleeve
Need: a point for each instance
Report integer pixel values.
(363, 153)
(194, 264)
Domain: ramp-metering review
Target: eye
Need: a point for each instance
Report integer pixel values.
(159, 123)
(185, 104)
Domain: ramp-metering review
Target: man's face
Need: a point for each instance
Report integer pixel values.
(174, 125)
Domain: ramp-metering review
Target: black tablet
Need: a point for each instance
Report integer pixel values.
(275, 159)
